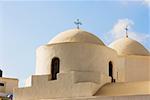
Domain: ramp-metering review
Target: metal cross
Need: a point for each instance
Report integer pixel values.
(126, 29)
(78, 23)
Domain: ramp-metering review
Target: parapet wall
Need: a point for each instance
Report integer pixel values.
(133, 97)
(67, 85)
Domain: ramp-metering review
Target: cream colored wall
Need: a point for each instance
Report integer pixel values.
(121, 69)
(64, 86)
(125, 88)
(83, 70)
(2, 88)
(133, 97)
(118, 91)
(133, 68)
(137, 68)
(76, 57)
(10, 83)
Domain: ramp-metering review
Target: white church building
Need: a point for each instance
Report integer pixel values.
(77, 65)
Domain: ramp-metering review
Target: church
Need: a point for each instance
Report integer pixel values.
(77, 65)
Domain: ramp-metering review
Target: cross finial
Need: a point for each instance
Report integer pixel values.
(126, 29)
(78, 23)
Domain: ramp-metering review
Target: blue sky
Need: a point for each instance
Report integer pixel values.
(25, 25)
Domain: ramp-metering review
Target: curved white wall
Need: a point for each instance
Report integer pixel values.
(75, 57)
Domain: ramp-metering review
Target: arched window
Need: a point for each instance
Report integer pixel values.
(1, 73)
(111, 71)
(54, 68)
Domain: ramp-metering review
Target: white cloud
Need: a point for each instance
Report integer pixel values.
(141, 2)
(139, 36)
(118, 30)
(146, 2)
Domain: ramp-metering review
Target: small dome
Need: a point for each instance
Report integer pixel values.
(76, 35)
(127, 46)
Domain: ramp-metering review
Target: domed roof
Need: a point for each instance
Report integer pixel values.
(127, 46)
(76, 35)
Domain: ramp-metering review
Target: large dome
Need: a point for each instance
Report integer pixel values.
(127, 46)
(76, 35)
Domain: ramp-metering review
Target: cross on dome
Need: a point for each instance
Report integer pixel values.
(78, 23)
(126, 29)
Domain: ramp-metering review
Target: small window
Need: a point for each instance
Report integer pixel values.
(55, 67)
(1, 73)
(111, 71)
(1, 84)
